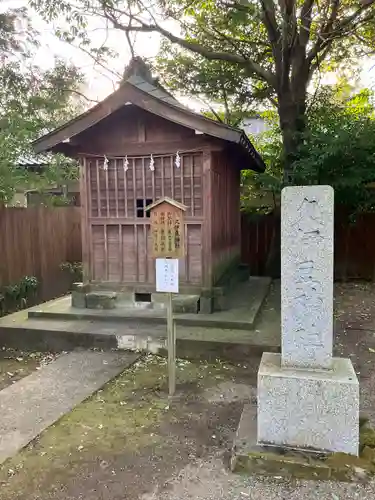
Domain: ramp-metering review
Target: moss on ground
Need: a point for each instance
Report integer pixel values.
(367, 437)
(123, 416)
(15, 364)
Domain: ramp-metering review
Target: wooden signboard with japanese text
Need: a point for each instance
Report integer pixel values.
(167, 229)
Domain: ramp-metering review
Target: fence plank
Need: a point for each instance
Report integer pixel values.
(354, 244)
(35, 241)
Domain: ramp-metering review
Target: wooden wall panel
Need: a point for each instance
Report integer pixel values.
(129, 125)
(98, 266)
(225, 220)
(194, 257)
(129, 254)
(114, 253)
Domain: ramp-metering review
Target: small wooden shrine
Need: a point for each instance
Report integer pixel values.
(136, 147)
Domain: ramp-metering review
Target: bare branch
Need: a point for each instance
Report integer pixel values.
(143, 26)
(306, 19)
(78, 93)
(274, 35)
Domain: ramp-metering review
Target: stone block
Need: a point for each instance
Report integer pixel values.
(78, 299)
(185, 304)
(206, 304)
(307, 276)
(308, 409)
(101, 300)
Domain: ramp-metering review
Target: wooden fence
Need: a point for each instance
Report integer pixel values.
(354, 244)
(35, 242)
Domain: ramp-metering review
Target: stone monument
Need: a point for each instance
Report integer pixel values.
(306, 398)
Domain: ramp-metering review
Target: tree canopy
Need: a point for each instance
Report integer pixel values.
(32, 102)
(337, 148)
(273, 48)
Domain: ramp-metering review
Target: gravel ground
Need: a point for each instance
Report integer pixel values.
(211, 480)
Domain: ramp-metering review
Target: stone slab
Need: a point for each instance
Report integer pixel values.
(101, 300)
(250, 457)
(307, 276)
(308, 409)
(34, 403)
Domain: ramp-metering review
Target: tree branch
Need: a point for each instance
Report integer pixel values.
(328, 35)
(289, 36)
(269, 21)
(195, 47)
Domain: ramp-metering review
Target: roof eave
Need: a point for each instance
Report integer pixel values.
(184, 117)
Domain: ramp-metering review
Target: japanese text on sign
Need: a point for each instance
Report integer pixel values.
(167, 232)
(167, 275)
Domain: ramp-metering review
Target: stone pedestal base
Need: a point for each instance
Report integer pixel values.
(308, 409)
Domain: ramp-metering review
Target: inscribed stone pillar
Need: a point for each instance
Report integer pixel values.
(307, 276)
(306, 398)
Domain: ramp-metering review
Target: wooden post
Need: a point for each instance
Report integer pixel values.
(168, 245)
(171, 345)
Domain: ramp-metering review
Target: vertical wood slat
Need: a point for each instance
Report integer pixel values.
(134, 188)
(207, 214)
(107, 190)
(192, 185)
(182, 177)
(136, 252)
(98, 189)
(85, 189)
(105, 251)
(121, 252)
(145, 252)
(172, 176)
(88, 196)
(153, 186)
(187, 256)
(125, 188)
(143, 181)
(162, 177)
(116, 187)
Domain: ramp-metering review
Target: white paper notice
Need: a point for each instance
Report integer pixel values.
(166, 275)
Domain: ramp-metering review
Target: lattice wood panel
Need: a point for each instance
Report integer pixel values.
(114, 191)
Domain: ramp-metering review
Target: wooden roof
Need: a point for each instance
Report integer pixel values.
(166, 199)
(139, 88)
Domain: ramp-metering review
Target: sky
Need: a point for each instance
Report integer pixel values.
(99, 81)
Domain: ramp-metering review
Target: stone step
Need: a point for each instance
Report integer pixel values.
(192, 342)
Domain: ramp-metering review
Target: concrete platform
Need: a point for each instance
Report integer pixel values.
(244, 304)
(54, 332)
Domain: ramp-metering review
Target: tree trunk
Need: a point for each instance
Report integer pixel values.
(292, 124)
(292, 115)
